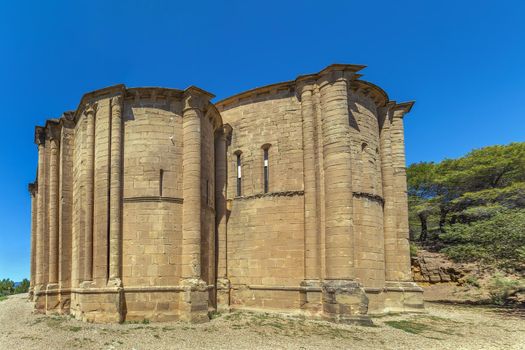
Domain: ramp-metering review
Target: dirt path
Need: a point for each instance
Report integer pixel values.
(442, 327)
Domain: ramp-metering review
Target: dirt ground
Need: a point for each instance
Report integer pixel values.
(441, 327)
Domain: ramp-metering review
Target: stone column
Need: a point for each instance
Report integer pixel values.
(221, 213)
(343, 298)
(320, 192)
(40, 281)
(90, 114)
(34, 213)
(401, 293)
(400, 192)
(338, 177)
(53, 206)
(115, 199)
(65, 210)
(312, 263)
(52, 297)
(387, 175)
(191, 187)
(194, 304)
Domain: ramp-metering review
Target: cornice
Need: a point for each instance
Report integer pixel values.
(95, 95)
(196, 98)
(378, 95)
(89, 102)
(53, 128)
(309, 81)
(400, 109)
(215, 117)
(153, 93)
(40, 135)
(258, 91)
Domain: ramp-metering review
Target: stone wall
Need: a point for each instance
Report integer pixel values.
(153, 203)
(265, 243)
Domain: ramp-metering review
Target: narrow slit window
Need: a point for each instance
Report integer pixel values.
(239, 175)
(266, 169)
(161, 181)
(207, 198)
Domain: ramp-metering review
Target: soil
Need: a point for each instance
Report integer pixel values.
(442, 326)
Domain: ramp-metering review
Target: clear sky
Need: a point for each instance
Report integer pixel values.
(462, 61)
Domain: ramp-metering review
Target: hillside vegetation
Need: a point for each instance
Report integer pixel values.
(8, 287)
(472, 208)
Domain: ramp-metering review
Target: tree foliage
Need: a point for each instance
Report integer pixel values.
(498, 240)
(473, 205)
(8, 287)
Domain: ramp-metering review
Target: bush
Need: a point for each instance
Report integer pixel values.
(413, 249)
(23, 287)
(500, 288)
(499, 240)
(7, 287)
(472, 280)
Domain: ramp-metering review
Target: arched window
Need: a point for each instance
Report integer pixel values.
(239, 174)
(266, 168)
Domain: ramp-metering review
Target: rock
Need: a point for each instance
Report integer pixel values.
(436, 268)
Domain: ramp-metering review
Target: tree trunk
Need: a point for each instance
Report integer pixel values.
(424, 227)
(442, 219)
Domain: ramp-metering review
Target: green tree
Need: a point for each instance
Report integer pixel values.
(498, 240)
(7, 287)
(23, 287)
(475, 203)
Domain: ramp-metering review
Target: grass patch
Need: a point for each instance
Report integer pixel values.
(75, 328)
(214, 314)
(30, 337)
(233, 316)
(3, 297)
(408, 326)
(437, 318)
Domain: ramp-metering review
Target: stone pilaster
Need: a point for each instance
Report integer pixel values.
(40, 273)
(115, 216)
(320, 190)
(221, 165)
(53, 206)
(90, 114)
(53, 134)
(311, 301)
(32, 191)
(65, 206)
(194, 300)
(344, 300)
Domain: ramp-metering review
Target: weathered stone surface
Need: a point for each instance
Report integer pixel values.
(157, 204)
(435, 268)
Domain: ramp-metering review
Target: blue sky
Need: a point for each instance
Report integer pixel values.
(462, 61)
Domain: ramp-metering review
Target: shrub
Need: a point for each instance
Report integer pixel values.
(472, 280)
(499, 239)
(23, 287)
(413, 250)
(500, 288)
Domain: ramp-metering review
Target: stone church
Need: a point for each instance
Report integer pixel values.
(157, 204)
